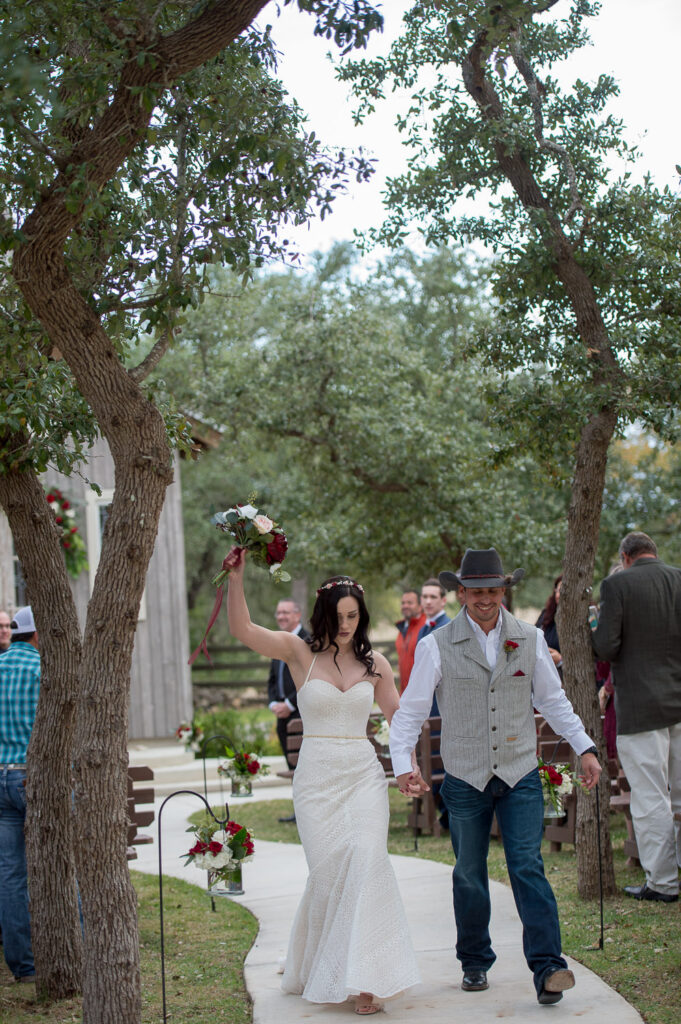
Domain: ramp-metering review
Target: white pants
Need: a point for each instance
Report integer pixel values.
(652, 765)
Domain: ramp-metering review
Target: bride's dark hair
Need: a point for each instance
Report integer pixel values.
(324, 620)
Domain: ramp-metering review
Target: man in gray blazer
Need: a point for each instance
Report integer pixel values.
(489, 671)
(639, 633)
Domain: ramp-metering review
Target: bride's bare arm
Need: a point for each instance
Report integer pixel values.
(272, 643)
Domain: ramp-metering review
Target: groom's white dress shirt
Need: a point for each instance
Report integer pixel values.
(548, 696)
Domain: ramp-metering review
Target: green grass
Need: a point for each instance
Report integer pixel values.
(205, 952)
(641, 957)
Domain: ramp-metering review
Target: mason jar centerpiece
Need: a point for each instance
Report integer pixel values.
(557, 781)
(242, 768)
(221, 849)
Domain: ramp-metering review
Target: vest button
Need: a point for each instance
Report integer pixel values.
(495, 766)
(494, 709)
(494, 747)
(492, 690)
(494, 728)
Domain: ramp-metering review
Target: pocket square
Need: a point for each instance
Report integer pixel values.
(519, 673)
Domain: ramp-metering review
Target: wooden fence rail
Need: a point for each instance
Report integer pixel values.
(235, 667)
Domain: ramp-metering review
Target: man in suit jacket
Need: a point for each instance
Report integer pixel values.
(281, 690)
(490, 670)
(639, 633)
(433, 600)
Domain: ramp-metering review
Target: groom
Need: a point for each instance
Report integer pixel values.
(488, 671)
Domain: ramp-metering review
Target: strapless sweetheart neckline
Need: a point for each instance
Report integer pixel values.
(316, 679)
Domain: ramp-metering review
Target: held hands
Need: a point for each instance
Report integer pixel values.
(591, 770)
(412, 783)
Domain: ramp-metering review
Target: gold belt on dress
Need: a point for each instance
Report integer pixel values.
(324, 736)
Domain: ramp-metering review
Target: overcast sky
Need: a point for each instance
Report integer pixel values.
(637, 41)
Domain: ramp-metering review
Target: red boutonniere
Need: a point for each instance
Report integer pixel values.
(510, 646)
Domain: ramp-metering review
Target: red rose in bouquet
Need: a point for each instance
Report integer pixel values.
(276, 549)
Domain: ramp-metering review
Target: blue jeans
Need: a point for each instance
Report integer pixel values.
(520, 815)
(14, 916)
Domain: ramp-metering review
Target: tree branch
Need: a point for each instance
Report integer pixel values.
(152, 358)
(536, 91)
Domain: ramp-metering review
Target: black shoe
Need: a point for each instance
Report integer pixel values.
(554, 985)
(291, 817)
(642, 892)
(474, 981)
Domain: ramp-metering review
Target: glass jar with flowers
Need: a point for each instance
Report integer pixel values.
(557, 781)
(221, 849)
(191, 735)
(242, 768)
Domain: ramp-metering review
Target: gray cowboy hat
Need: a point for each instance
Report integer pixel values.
(480, 569)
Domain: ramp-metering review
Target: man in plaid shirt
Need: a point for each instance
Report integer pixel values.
(19, 687)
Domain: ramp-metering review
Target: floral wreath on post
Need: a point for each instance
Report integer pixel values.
(72, 544)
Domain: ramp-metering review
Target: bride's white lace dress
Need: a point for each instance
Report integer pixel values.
(350, 932)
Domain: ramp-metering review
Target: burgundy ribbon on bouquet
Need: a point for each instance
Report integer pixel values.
(231, 561)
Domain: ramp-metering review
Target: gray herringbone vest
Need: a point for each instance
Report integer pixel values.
(487, 717)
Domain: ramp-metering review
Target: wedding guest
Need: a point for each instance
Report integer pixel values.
(19, 688)
(547, 623)
(408, 628)
(639, 633)
(489, 671)
(433, 600)
(5, 632)
(281, 690)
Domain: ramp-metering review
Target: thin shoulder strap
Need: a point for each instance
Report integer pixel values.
(310, 669)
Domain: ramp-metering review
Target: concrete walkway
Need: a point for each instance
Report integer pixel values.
(274, 882)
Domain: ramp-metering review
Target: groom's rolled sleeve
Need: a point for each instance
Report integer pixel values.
(415, 704)
(550, 700)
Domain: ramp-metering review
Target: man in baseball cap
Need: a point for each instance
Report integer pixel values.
(19, 688)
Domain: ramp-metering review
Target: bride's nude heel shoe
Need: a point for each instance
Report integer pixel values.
(365, 1007)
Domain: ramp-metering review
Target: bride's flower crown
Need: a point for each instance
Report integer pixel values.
(341, 583)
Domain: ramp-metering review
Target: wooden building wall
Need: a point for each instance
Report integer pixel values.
(160, 685)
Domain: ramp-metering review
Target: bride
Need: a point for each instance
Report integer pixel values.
(349, 938)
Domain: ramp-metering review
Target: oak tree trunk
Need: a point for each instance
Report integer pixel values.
(575, 644)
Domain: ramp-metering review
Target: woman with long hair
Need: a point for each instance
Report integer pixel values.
(349, 939)
(547, 622)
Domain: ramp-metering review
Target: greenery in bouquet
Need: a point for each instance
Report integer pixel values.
(190, 734)
(72, 544)
(220, 847)
(242, 765)
(557, 781)
(254, 531)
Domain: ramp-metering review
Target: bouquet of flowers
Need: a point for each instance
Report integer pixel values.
(241, 765)
(557, 781)
(220, 848)
(190, 734)
(382, 734)
(252, 531)
(257, 533)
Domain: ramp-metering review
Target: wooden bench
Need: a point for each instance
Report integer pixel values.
(424, 817)
(138, 797)
(294, 740)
